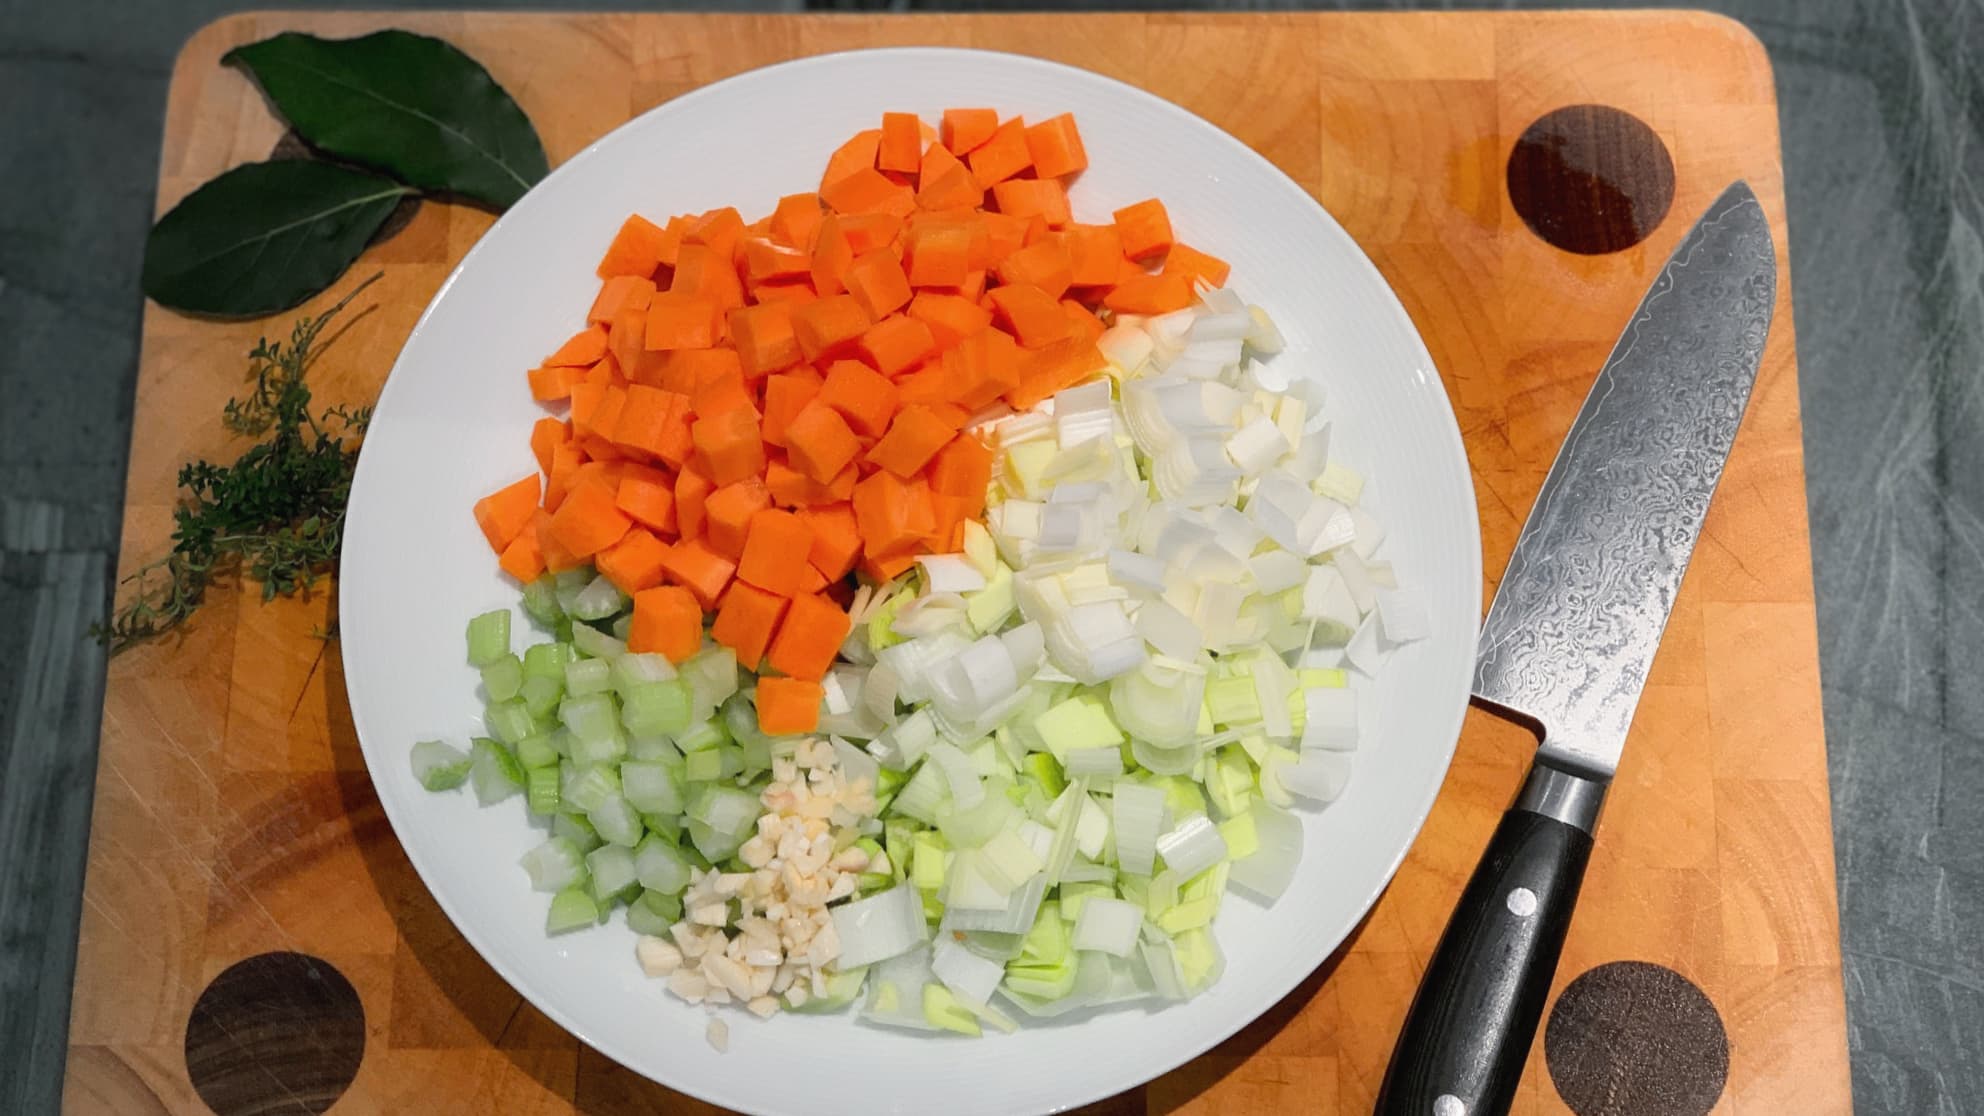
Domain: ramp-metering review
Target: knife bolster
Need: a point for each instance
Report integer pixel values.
(1553, 792)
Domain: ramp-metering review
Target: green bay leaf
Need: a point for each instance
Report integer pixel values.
(412, 106)
(265, 236)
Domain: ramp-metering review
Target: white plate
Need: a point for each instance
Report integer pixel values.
(453, 424)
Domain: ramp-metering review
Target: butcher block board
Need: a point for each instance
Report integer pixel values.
(234, 819)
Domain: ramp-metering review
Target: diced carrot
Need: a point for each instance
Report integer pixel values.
(764, 339)
(819, 443)
(697, 568)
(901, 146)
(830, 327)
(1195, 265)
(587, 521)
(1145, 228)
(866, 232)
(888, 514)
(789, 294)
(681, 321)
(626, 337)
(913, 439)
(636, 249)
(702, 270)
(671, 242)
(786, 395)
(877, 281)
(971, 290)
(987, 366)
(556, 558)
(1034, 317)
(648, 498)
(667, 621)
(1004, 235)
(939, 253)
(810, 638)
(644, 418)
(1056, 147)
(1002, 155)
(1044, 198)
(1044, 265)
(692, 489)
(897, 343)
(869, 191)
(621, 292)
(566, 458)
(549, 385)
(730, 444)
(546, 435)
(1083, 319)
(775, 547)
(951, 318)
(505, 512)
(727, 514)
(933, 383)
(685, 371)
(836, 539)
(1094, 252)
(962, 468)
(791, 488)
(523, 559)
(965, 129)
(796, 221)
(856, 154)
(633, 563)
(584, 348)
(745, 620)
(788, 706)
(946, 183)
(1150, 294)
(604, 417)
(766, 261)
(832, 256)
(864, 397)
(720, 229)
(1048, 369)
(886, 567)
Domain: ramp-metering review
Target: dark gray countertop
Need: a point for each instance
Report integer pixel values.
(1883, 124)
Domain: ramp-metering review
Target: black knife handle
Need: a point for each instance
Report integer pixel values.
(1469, 1030)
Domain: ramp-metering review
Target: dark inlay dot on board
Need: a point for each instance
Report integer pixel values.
(276, 1033)
(1631, 1038)
(1591, 179)
(291, 146)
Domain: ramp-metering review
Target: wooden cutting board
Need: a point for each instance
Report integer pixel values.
(253, 935)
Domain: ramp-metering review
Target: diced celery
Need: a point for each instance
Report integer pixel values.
(541, 601)
(493, 772)
(547, 660)
(489, 637)
(575, 828)
(755, 755)
(541, 789)
(704, 766)
(659, 708)
(509, 720)
(703, 734)
(556, 864)
(641, 746)
(653, 787)
(617, 821)
(590, 717)
(540, 695)
(653, 913)
(571, 909)
(439, 766)
(597, 601)
(537, 750)
(623, 626)
(1047, 772)
(610, 749)
(661, 866)
(943, 1010)
(504, 678)
(588, 676)
(712, 677)
(593, 643)
(667, 826)
(589, 787)
(612, 869)
(638, 668)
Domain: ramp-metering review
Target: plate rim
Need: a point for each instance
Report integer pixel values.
(1449, 432)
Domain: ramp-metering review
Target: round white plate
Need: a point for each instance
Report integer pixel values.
(453, 424)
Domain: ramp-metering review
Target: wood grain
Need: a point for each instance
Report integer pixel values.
(233, 816)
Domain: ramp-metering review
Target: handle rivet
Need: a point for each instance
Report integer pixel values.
(1446, 1104)
(1522, 903)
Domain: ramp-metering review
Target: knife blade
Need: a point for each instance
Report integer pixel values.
(1569, 639)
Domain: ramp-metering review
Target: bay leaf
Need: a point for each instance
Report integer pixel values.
(265, 236)
(412, 106)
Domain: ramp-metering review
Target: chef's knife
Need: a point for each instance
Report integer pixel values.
(1568, 641)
